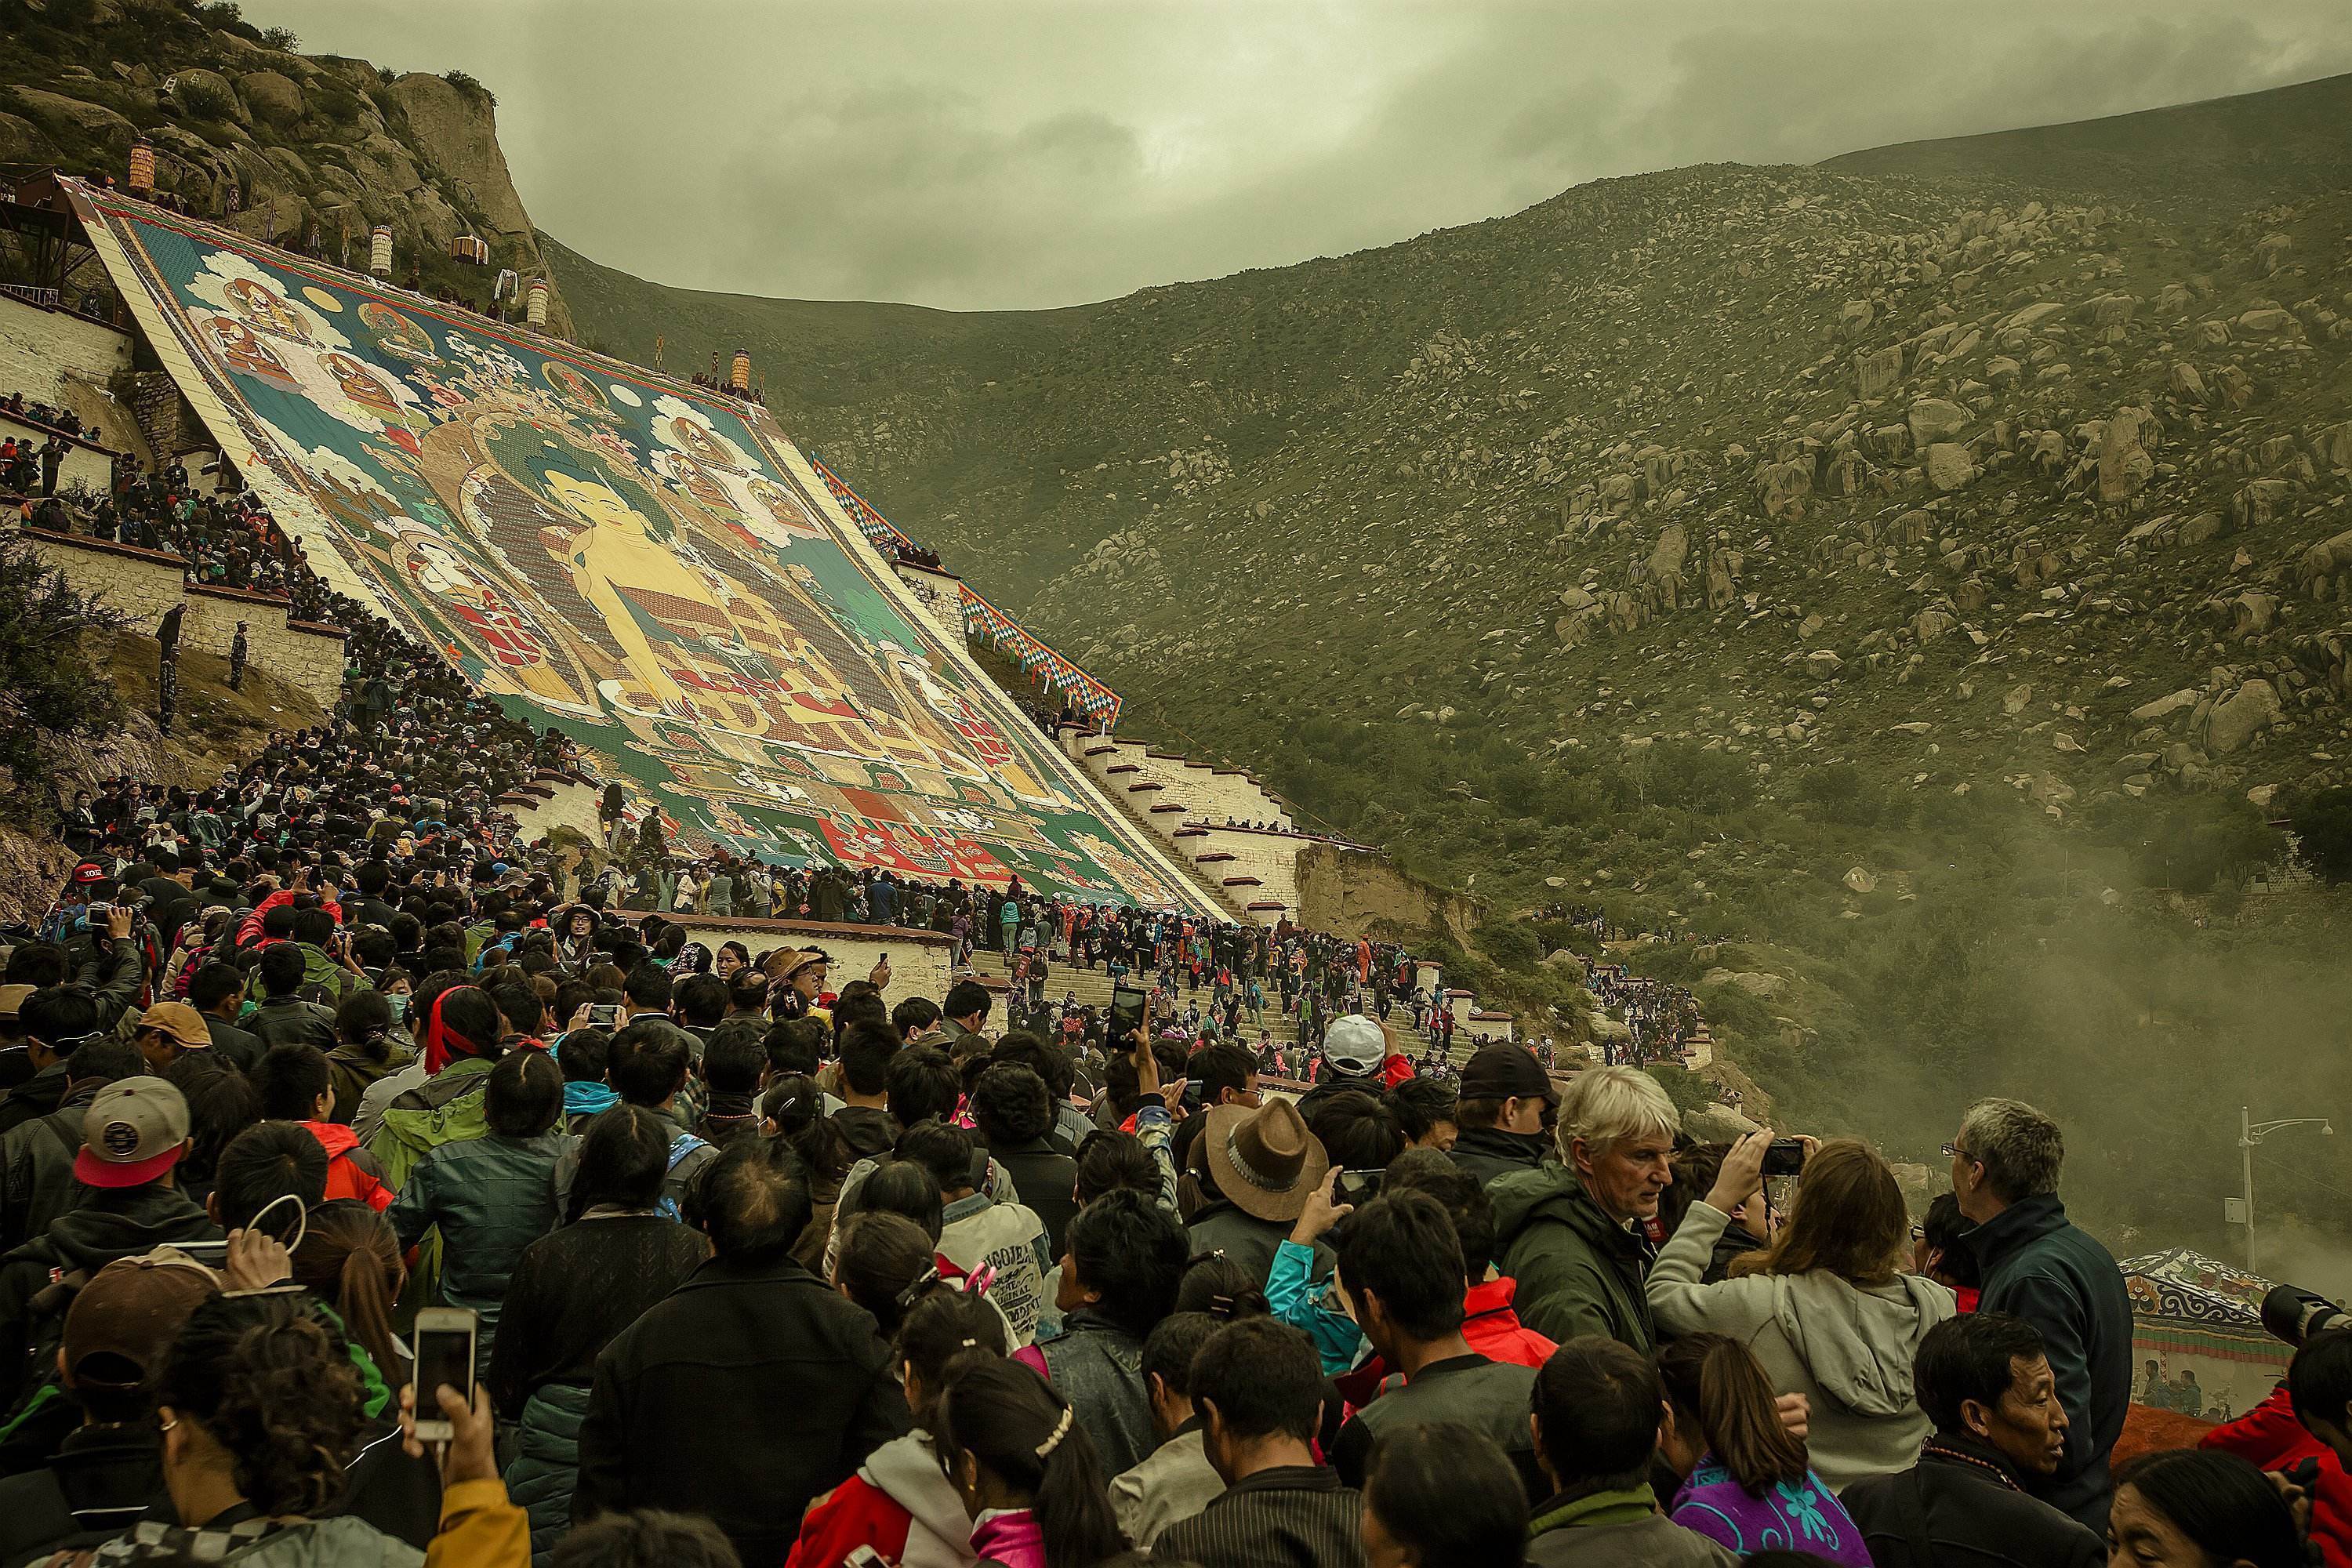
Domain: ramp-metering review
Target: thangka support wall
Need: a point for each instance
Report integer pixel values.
(652, 569)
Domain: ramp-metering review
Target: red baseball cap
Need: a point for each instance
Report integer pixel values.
(135, 1130)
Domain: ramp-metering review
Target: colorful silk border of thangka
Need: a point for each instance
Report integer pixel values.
(982, 619)
(653, 570)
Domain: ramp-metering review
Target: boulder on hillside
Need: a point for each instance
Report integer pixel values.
(21, 142)
(2323, 562)
(1934, 420)
(1667, 555)
(2124, 464)
(1859, 880)
(1718, 1124)
(1763, 986)
(2253, 708)
(206, 95)
(1949, 466)
(1876, 371)
(70, 123)
(1783, 487)
(2164, 707)
(271, 97)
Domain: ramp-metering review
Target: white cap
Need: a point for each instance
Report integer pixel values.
(1355, 1044)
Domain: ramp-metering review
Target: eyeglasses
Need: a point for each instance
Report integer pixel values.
(1954, 1152)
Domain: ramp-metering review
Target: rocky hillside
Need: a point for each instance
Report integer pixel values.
(309, 143)
(1914, 462)
(1928, 569)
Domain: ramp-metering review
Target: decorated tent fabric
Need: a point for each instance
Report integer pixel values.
(654, 572)
(2186, 1287)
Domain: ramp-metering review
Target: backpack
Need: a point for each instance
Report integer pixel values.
(684, 1143)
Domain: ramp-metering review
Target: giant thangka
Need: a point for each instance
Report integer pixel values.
(652, 569)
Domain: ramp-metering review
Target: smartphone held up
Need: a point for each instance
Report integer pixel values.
(445, 1354)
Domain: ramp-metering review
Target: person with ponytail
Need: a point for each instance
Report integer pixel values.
(349, 1258)
(1026, 1470)
(1746, 1481)
(901, 1502)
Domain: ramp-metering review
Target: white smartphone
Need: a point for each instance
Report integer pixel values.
(444, 1353)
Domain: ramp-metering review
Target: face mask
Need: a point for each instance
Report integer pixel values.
(399, 1007)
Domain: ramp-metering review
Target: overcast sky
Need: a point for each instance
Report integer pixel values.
(1002, 153)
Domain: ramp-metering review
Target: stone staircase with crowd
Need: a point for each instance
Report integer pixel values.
(1239, 840)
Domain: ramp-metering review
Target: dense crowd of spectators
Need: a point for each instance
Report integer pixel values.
(753, 1262)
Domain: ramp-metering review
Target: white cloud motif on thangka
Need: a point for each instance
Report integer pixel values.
(326, 464)
(488, 359)
(264, 301)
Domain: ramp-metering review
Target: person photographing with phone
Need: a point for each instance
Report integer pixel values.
(1826, 1306)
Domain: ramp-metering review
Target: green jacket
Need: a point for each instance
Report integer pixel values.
(1617, 1529)
(1578, 1271)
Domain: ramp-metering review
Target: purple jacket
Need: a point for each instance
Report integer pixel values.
(1804, 1518)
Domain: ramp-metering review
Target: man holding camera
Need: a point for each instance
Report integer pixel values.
(2055, 1275)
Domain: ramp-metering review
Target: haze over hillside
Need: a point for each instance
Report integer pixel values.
(1958, 515)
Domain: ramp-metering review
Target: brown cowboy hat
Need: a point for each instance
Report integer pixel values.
(1264, 1158)
(787, 961)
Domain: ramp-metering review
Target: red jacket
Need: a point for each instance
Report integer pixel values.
(854, 1514)
(2269, 1436)
(345, 1179)
(249, 929)
(1493, 1328)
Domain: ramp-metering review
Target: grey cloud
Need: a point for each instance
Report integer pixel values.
(1033, 152)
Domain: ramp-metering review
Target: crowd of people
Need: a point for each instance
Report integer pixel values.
(763, 1263)
(48, 415)
(228, 539)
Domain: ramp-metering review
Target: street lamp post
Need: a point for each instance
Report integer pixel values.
(2250, 1133)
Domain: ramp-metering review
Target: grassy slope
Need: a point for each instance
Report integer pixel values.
(1390, 466)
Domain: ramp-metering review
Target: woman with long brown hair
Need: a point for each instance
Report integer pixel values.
(1825, 1307)
(350, 1259)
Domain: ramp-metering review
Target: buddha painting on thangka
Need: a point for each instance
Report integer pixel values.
(637, 564)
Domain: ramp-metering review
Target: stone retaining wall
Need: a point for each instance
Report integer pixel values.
(141, 583)
(39, 348)
(144, 584)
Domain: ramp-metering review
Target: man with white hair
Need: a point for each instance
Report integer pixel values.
(1572, 1235)
(2055, 1275)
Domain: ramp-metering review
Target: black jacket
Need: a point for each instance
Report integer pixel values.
(807, 1383)
(1046, 1180)
(237, 1048)
(1488, 1153)
(289, 1020)
(108, 1223)
(37, 1161)
(1959, 1507)
(35, 1098)
(2058, 1277)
